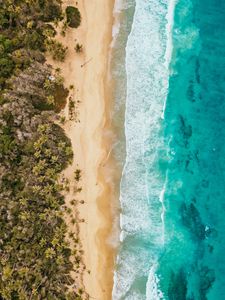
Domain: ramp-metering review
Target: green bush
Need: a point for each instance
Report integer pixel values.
(6, 67)
(6, 144)
(51, 11)
(57, 50)
(73, 16)
(34, 40)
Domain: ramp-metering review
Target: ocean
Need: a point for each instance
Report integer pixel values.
(170, 96)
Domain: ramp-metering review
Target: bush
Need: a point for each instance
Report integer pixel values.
(6, 67)
(51, 11)
(57, 50)
(73, 16)
(34, 40)
(78, 48)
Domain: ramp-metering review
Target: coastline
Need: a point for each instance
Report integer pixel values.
(99, 255)
(91, 141)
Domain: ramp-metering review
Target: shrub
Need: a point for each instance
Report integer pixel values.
(6, 67)
(78, 48)
(57, 50)
(73, 16)
(51, 11)
(77, 174)
(34, 40)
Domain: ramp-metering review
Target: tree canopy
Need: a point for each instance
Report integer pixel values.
(35, 255)
(73, 16)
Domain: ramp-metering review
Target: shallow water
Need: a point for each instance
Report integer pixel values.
(173, 184)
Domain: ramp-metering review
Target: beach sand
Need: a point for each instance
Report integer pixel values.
(91, 139)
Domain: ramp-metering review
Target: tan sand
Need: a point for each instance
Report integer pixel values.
(91, 140)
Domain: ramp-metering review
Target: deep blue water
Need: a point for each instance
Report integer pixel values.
(173, 183)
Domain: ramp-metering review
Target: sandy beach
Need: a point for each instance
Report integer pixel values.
(91, 140)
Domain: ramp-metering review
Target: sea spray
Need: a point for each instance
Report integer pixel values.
(123, 15)
(152, 290)
(143, 180)
(169, 43)
(172, 188)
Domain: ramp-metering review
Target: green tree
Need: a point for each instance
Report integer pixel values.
(73, 16)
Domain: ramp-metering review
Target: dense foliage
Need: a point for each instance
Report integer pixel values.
(26, 33)
(73, 16)
(35, 258)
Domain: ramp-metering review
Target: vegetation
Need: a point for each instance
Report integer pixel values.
(77, 175)
(35, 256)
(25, 28)
(71, 108)
(73, 16)
(57, 50)
(78, 48)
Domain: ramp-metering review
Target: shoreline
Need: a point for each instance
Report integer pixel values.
(100, 219)
(91, 138)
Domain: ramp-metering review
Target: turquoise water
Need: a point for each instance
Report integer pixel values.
(173, 185)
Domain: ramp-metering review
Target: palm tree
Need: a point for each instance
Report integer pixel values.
(79, 48)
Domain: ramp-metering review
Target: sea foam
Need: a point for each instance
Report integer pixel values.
(142, 184)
